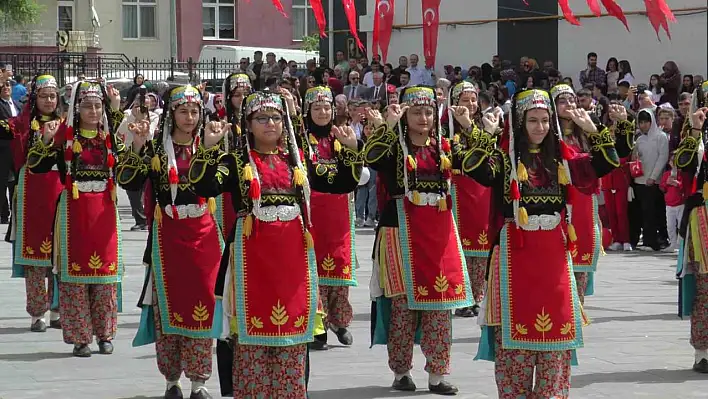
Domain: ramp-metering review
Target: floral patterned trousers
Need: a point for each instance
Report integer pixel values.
(581, 283)
(435, 342)
(88, 310)
(176, 354)
(699, 314)
(268, 372)
(514, 372)
(477, 270)
(39, 285)
(335, 303)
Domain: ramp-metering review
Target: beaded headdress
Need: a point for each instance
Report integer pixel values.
(315, 95)
(185, 95)
(419, 95)
(45, 81)
(458, 89)
(237, 80)
(260, 101)
(561, 90)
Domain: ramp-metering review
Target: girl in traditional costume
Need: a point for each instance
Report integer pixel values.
(470, 200)
(586, 218)
(419, 274)
(35, 203)
(690, 156)
(531, 265)
(87, 240)
(332, 211)
(268, 310)
(184, 244)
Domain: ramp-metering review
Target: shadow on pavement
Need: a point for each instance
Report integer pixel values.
(34, 356)
(370, 392)
(642, 317)
(655, 376)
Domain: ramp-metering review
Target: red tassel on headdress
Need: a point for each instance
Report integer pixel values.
(68, 154)
(302, 156)
(111, 160)
(566, 153)
(515, 194)
(172, 176)
(109, 143)
(445, 144)
(254, 190)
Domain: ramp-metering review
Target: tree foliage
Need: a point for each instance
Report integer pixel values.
(17, 13)
(311, 42)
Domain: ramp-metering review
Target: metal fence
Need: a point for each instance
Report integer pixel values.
(68, 67)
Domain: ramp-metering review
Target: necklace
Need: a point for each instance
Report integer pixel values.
(89, 134)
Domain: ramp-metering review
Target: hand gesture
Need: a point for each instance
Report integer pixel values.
(375, 117)
(698, 118)
(141, 132)
(618, 112)
(346, 136)
(395, 113)
(113, 96)
(491, 123)
(462, 116)
(49, 130)
(214, 132)
(290, 100)
(582, 118)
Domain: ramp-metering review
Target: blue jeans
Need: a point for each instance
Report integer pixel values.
(366, 198)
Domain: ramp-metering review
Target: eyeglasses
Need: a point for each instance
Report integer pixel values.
(217, 102)
(353, 78)
(263, 120)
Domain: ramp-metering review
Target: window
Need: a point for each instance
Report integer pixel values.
(304, 23)
(65, 15)
(139, 19)
(219, 19)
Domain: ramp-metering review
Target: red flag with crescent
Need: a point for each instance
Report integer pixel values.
(350, 11)
(383, 26)
(431, 23)
(318, 10)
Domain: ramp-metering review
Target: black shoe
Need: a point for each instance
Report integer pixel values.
(5, 220)
(318, 345)
(405, 384)
(475, 309)
(137, 227)
(701, 367)
(200, 394)
(56, 324)
(443, 388)
(344, 336)
(105, 347)
(174, 393)
(38, 326)
(82, 350)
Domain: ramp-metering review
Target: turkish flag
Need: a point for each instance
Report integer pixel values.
(279, 6)
(431, 23)
(383, 26)
(350, 11)
(616, 11)
(319, 16)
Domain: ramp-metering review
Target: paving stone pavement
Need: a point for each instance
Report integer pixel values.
(635, 348)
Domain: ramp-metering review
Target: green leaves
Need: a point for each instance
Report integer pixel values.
(17, 13)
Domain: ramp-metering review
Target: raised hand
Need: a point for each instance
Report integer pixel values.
(346, 136)
(214, 132)
(618, 112)
(141, 132)
(113, 97)
(462, 116)
(491, 122)
(395, 113)
(49, 130)
(699, 118)
(375, 117)
(582, 118)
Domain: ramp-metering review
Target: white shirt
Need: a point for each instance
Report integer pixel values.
(13, 110)
(358, 129)
(419, 76)
(368, 79)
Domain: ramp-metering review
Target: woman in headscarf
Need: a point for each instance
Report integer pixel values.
(268, 311)
(35, 203)
(530, 266)
(419, 274)
(670, 81)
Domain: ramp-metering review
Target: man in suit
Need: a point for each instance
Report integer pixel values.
(378, 90)
(8, 109)
(355, 90)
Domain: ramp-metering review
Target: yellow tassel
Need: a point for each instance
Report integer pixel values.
(705, 191)
(158, 214)
(456, 139)
(442, 204)
(248, 226)
(211, 205)
(522, 174)
(571, 233)
(74, 191)
(308, 239)
(416, 197)
(76, 147)
(298, 177)
(456, 172)
(445, 163)
(563, 175)
(412, 163)
(337, 146)
(248, 172)
(114, 195)
(34, 125)
(155, 163)
(523, 216)
(313, 139)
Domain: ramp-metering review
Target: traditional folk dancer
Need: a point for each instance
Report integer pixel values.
(585, 213)
(690, 156)
(332, 212)
(470, 200)
(267, 310)
(184, 245)
(87, 240)
(35, 203)
(419, 274)
(530, 263)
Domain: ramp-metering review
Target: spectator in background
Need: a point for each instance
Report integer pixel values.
(369, 76)
(364, 67)
(418, 75)
(19, 91)
(612, 74)
(243, 68)
(697, 80)
(257, 68)
(402, 66)
(8, 109)
(553, 77)
(342, 63)
(389, 77)
(593, 74)
(674, 197)
(569, 81)
(341, 110)
(270, 70)
(625, 72)
(355, 90)
(687, 86)
(404, 81)
(670, 81)
(656, 90)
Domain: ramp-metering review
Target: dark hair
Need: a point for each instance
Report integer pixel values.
(258, 52)
(669, 111)
(406, 73)
(657, 78)
(584, 93)
(612, 59)
(486, 97)
(623, 83)
(685, 96)
(553, 73)
(644, 116)
(592, 54)
(550, 152)
(624, 68)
